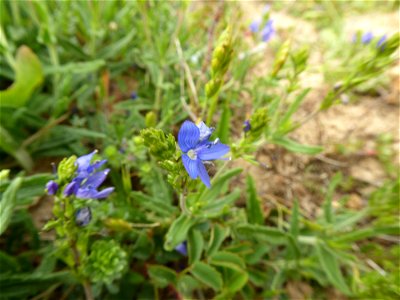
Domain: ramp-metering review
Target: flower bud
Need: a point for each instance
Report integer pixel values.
(281, 57)
(51, 187)
(83, 216)
(66, 169)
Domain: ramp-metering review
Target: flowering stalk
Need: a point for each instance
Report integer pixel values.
(77, 179)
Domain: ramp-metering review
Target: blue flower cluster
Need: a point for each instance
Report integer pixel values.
(367, 37)
(266, 32)
(196, 147)
(87, 180)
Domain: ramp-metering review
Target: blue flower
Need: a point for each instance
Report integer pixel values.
(196, 148)
(182, 248)
(255, 26)
(51, 187)
(88, 179)
(246, 126)
(268, 31)
(367, 37)
(83, 216)
(381, 43)
(134, 95)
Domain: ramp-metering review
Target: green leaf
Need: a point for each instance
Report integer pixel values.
(253, 206)
(195, 245)
(21, 286)
(207, 275)
(328, 210)
(218, 235)
(263, 233)
(77, 67)
(162, 276)
(331, 267)
(284, 122)
(221, 205)
(7, 203)
(28, 76)
(12, 147)
(236, 281)
(223, 126)
(219, 185)
(294, 220)
(178, 231)
(296, 147)
(228, 260)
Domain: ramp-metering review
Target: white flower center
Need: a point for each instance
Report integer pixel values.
(192, 154)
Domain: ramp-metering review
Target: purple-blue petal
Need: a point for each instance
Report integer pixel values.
(71, 188)
(254, 26)
(188, 136)
(83, 162)
(190, 166)
(205, 178)
(205, 131)
(213, 151)
(104, 193)
(51, 187)
(367, 37)
(268, 31)
(182, 248)
(381, 42)
(96, 179)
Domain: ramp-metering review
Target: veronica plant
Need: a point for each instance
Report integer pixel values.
(76, 184)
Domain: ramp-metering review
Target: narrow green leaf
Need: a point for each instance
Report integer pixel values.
(207, 275)
(224, 124)
(296, 147)
(263, 233)
(253, 206)
(293, 107)
(331, 267)
(195, 245)
(294, 220)
(220, 183)
(162, 276)
(221, 205)
(218, 235)
(328, 209)
(12, 147)
(178, 231)
(7, 203)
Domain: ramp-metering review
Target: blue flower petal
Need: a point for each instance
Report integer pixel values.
(188, 136)
(367, 37)
(254, 26)
(213, 151)
(86, 193)
(71, 188)
(190, 166)
(51, 187)
(205, 131)
(268, 31)
(96, 179)
(83, 162)
(203, 174)
(182, 248)
(104, 193)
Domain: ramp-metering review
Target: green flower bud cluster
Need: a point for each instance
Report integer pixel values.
(281, 57)
(299, 59)
(221, 59)
(258, 123)
(66, 170)
(106, 262)
(162, 146)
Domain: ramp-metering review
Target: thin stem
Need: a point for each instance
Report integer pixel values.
(182, 204)
(88, 290)
(44, 129)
